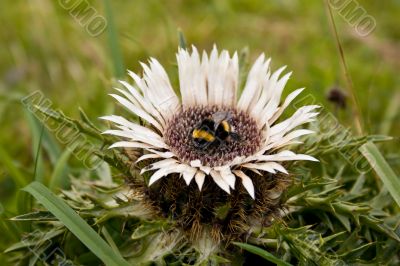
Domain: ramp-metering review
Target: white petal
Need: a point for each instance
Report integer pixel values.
(212, 80)
(211, 69)
(137, 111)
(143, 102)
(220, 181)
(255, 80)
(199, 178)
(119, 120)
(279, 167)
(284, 156)
(246, 181)
(188, 174)
(290, 143)
(256, 171)
(204, 168)
(291, 156)
(197, 83)
(166, 154)
(182, 59)
(222, 78)
(271, 89)
(147, 156)
(161, 173)
(159, 164)
(288, 139)
(297, 133)
(276, 91)
(230, 93)
(302, 115)
(265, 167)
(228, 177)
(237, 160)
(129, 97)
(265, 134)
(130, 144)
(192, 77)
(288, 100)
(262, 100)
(136, 136)
(195, 163)
(169, 168)
(270, 167)
(160, 90)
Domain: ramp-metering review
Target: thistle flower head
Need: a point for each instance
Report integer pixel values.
(214, 135)
(210, 85)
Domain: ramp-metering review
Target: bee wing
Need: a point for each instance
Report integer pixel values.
(218, 117)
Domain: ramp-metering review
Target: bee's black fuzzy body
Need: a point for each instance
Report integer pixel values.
(213, 131)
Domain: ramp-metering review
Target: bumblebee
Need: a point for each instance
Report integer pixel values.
(214, 130)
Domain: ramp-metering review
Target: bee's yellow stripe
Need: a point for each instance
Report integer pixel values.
(226, 126)
(202, 134)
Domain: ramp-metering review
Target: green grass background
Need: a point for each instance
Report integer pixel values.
(44, 48)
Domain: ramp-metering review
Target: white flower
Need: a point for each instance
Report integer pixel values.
(208, 85)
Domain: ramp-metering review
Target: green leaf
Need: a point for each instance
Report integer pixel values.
(356, 252)
(148, 228)
(379, 226)
(103, 171)
(35, 216)
(182, 40)
(344, 220)
(132, 210)
(262, 253)
(86, 120)
(221, 212)
(80, 126)
(75, 224)
(382, 168)
(153, 249)
(35, 239)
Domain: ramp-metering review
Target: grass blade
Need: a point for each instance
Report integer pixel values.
(262, 253)
(112, 36)
(392, 110)
(11, 168)
(75, 224)
(49, 144)
(383, 169)
(37, 131)
(59, 178)
(356, 105)
(38, 169)
(109, 239)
